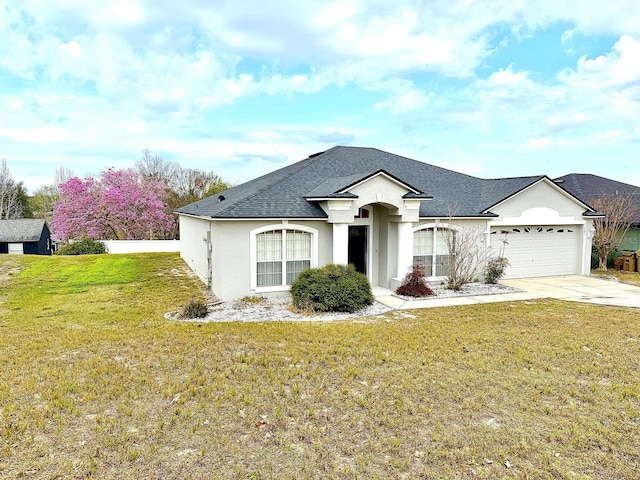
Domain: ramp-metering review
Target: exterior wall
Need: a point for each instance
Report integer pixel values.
(631, 240)
(193, 244)
(477, 226)
(544, 204)
(41, 247)
(220, 251)
(231, 253)
(141, 246)
(32, 248)
(44, 244)
(380, 261)
(541, 195)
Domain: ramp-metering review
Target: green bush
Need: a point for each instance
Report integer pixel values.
(83, 247)
(495, 269)
(332, 288)
(194, 309)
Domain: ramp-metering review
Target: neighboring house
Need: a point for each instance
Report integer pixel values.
(25, 236)
(381, 212)
(589, 187)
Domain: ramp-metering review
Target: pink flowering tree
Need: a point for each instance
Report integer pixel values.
(122, 205)
(74, 211)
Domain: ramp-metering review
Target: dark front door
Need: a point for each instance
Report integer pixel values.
(358, 247)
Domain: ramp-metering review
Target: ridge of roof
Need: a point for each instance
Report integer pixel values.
(294, 191)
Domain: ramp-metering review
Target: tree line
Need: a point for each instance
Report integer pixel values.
(121, 204)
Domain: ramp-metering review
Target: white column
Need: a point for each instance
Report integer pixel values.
(341, 243)
(405, 248)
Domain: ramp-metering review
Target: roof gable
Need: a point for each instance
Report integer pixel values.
(341, 187)
(536, 181)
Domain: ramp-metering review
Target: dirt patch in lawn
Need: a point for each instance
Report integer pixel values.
(8, 269)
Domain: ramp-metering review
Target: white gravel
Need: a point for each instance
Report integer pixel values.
(279, 308)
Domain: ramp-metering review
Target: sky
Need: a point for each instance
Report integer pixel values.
(490, 88)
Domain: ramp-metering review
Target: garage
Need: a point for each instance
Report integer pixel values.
(538, 250)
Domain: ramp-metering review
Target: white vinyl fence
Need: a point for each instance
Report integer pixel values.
(140, 246)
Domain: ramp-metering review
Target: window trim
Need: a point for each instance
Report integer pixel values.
(435, 226)
(282, 227)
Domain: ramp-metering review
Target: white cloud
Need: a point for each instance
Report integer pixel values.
(157, 74)
(34, 135)
(404, 101)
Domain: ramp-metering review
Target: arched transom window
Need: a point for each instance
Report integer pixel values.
(431, 248)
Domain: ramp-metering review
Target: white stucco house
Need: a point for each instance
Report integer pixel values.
(380, 212)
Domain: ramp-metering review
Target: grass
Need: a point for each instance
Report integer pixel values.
(95, 383)
(631, 278)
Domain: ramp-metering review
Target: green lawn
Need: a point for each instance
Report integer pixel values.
(95, 383)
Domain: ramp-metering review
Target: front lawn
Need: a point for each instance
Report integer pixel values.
(95, 383)
(631, 278)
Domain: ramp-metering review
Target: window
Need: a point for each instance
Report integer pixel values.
(430, 247)
(280, 256)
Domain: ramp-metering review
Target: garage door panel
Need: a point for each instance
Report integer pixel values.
(535, 251)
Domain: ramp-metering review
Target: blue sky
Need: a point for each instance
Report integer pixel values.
(489, 88)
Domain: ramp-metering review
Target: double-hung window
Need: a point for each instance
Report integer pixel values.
(280, 256)
(431, 249)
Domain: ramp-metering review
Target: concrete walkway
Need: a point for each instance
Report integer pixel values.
(573, 288)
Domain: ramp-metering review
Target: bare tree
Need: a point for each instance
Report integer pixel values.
(184, 185)
(10, 194)
(153, 166)
(467, 253)
(621, 211)
(61, 175)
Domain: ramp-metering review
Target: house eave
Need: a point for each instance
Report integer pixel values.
(337, 196)
(253, 219)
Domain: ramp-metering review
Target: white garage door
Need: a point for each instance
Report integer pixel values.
(16, 248)
(537, 250)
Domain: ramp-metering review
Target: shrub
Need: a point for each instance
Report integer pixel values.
(415, 283)
(86, 246)
(332, 288)
(495, 269)
(194, 309)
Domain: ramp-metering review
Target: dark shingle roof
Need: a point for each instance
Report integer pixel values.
(281, 194)
(21, 230)
(588, 187)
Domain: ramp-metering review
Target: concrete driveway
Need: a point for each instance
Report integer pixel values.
(577, 288)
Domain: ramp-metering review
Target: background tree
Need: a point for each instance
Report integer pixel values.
(621, 212)
(184, 185)
(74, 213)
(42, 201)
(120, 205)
(131, 207)
(153, 166)
(12, 194)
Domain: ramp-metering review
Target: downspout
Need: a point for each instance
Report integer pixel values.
(209, 253)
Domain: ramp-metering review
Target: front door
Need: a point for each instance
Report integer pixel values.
(358, 247)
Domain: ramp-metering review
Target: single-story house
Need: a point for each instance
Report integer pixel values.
(381, 212)
(590, 187)
(25, 236)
